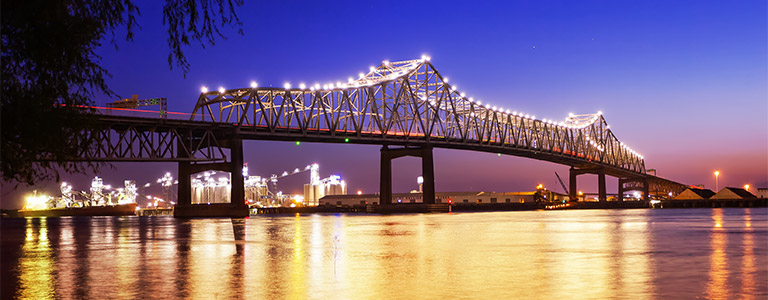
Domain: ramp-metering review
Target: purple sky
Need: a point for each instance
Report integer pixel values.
(684, 83)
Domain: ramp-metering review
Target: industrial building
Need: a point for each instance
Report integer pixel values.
(695, 194)
(762, 192)
(733, 193)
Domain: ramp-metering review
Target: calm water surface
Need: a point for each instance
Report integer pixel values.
(588, 254)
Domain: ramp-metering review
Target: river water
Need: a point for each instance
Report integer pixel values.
(573, 254)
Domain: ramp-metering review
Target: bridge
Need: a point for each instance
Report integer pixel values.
(408, 107)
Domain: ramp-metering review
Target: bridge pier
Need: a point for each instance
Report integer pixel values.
(427, 172)
(184, 193)
(634, 184)
(237, 206)
(600, 172)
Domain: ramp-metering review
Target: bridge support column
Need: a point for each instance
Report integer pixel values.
(236, 208)
(601, 194)
(646, 190)
(385, 178)
(634, 184)
(621, 189)
(184, 193)
(237, 184)
(572, 187)
(427, 171)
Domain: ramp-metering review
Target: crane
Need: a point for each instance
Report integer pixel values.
(561, 183)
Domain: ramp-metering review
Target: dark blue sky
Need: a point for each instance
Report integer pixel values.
(682, 82)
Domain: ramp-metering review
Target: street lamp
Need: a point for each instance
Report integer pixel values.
(717, 183)
(746, 187)
(420, 181)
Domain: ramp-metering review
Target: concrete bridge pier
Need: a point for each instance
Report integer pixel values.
(237, 206)
(573, 189)
(427, 171)
(634, 184)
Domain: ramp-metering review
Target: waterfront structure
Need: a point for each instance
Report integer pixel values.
(733, 193)
(762, 192)
(695, 194)
(408, 107)
(458, 198)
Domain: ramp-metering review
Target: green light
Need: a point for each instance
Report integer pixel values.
(346, 140)
(499, 154)
(297, 143)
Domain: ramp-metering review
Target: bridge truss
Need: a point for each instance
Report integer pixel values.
(411, 103)
(117, 139)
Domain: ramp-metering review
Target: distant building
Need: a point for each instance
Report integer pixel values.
(330, 186)
(762, 192)
(733, 193)
(446, 197)
(695, 194)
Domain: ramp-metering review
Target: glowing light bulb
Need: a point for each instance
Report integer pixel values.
(254, 84)
(287, 85)
(386, 62)
(221, 90)
(203, 90)
(445, 79)
(302, 86)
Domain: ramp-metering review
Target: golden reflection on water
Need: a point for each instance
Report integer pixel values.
(592, 254)
(717, 286)
(298, 272)
(748, 268)
(36, 263)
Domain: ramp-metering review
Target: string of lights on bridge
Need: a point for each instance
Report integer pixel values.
(369, 79)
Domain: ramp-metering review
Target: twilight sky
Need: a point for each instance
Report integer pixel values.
(685, 83)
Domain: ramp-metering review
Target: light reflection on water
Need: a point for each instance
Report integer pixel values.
(587, 254)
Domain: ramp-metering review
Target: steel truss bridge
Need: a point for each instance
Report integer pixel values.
(408, 107)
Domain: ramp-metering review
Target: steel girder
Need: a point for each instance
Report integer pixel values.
(116, 138)
(409, 102)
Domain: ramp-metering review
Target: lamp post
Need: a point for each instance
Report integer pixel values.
(420, 181)
(746, 187)
(717, 183)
